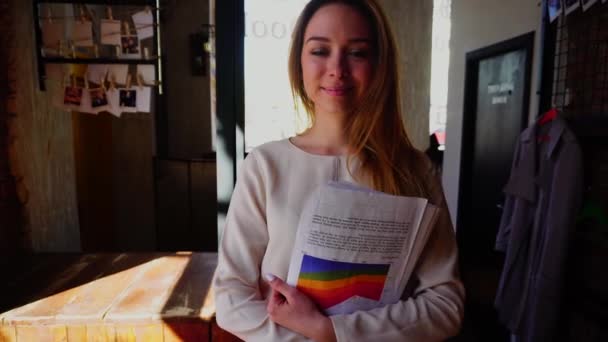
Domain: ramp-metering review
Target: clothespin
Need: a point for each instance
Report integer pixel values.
(117, 49)
(82, 14)
(128, 85)
(96, 50)
(109, 13)
(73, 48)
(146, 53)
(140, 80)
(112, 82)
(102, 81)
(126, 27)
(60, 47)
(86, 80)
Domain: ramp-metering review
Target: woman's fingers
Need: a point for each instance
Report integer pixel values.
(280, 287)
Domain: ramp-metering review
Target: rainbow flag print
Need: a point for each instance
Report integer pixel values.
(330, 282)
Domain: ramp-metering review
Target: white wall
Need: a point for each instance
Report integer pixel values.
(477, 24)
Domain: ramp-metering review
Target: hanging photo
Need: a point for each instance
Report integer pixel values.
(144, 24)
(144, 95)
(128, 100)
(82, 33)
(555, 9)
(97, 72)
(119, 72)
(130, 46)
(587, 4)
(113, 96)
(571, 5)
(52, 36)
(110, 32)
(99, 99)
(85, 103)
(147, 73)
(72, 96)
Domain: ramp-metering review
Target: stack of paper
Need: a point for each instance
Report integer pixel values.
(356, 248)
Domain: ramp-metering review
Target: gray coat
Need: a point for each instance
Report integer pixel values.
(543, 196)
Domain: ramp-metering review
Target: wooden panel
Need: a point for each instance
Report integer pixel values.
(100, 333)
(125, 333)
(133, 181)
(204, 201)
(176, 331)
(33, 333)
(191, 295)
(93, 155)
(8, 333)
(92, 300)
(93, 283)
(188, 96)
(77, 332)
(121, 297)
(42, 155)
(145, 298)
(149, 332)
(29, 277)
(173, 207)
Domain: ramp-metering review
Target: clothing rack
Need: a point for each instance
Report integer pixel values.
(575, 82)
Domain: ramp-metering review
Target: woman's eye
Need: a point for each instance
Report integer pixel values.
(358, 53)
(319, 52)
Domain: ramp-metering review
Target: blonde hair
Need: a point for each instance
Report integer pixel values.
(375, 129)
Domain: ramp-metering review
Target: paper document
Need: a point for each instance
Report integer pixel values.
(356, 248)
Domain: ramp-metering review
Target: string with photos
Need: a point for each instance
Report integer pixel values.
(108, 79)
(88, 15)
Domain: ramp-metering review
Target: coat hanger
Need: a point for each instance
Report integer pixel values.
(546, 117)
(549, 115)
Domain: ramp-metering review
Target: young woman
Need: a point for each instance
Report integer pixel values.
(343, 68)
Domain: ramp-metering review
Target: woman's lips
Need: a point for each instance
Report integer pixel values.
(337, 91)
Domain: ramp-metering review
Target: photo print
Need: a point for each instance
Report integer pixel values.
(110, 32)
(52, 36)
(85, 103)
(130, 46)
(99, 98)
(113, 96)
(144, 24)
(128, 100)
(72, 96)
(82, 33)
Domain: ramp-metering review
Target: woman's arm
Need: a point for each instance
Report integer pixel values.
(240, 306)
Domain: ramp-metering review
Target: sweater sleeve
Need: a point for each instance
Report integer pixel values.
(434, 311)
(240, 306)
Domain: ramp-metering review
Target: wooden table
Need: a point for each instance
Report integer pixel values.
(109, 297)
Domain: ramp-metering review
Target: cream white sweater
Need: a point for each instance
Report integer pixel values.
(273, 183)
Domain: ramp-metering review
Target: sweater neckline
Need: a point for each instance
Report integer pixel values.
(324, 156)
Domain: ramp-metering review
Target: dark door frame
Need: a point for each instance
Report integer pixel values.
(230, 97)
(473, 58)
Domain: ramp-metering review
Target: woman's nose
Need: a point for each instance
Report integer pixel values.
(338, 65)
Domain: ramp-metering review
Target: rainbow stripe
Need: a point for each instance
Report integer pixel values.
(330, 282)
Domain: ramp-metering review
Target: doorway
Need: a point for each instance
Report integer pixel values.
(496, 107)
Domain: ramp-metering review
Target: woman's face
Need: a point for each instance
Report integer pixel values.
(336, 58)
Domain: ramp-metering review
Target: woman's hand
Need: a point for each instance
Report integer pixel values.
(292, 309)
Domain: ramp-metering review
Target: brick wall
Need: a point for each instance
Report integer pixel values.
(11, 237)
